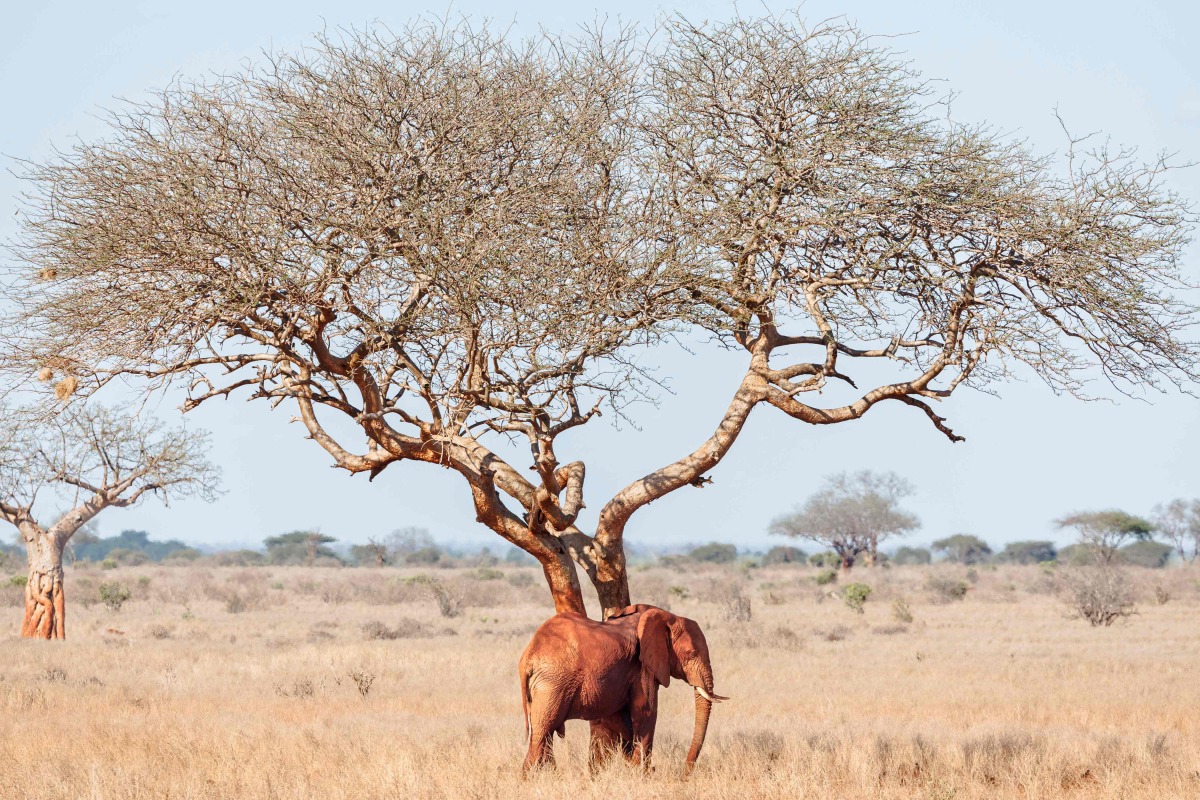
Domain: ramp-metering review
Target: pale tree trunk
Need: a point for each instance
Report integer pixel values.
(45, 601)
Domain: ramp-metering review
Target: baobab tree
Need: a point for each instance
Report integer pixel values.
(92, 458)
(851, 514)
(463, 243)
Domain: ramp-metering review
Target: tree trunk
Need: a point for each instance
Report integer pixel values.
(563, 581)
(45, 602)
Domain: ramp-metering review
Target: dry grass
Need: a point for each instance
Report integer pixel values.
(996, 696)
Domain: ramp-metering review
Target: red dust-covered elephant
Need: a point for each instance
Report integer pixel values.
(609, 673)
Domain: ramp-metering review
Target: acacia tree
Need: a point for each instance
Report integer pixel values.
(851, 515)
(94, 458)
(459, 242)
(1103, 532)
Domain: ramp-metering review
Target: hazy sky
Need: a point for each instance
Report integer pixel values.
(1131, 71)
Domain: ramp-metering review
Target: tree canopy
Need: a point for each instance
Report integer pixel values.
(963, 548)
(456, 240)
(1104, 532)
(852, 514)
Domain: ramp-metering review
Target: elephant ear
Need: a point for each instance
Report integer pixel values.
(628, 611)
(654, 644)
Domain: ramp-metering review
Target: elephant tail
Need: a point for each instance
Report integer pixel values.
(525, 700)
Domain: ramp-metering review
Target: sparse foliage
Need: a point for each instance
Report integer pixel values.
(1100, 594)
(902, 611)
(852, 514)
(1179, 522)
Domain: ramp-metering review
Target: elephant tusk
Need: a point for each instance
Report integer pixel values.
(712, 698)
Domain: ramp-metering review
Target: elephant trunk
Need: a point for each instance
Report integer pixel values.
(703, 710)
(704, 702)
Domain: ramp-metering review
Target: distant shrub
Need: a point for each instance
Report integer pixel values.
(1151, 555)
(714, 553)
(912, 555)
(826, 577)
(161, 632)
(827, 560)
(114, 595)
(127, 557)
(405, 628)
(518, 557)
(521, 580)
(424, 555)
(946, 589)
(835, 634)
(855, 595)
(19, 581)
(109, 563)
(239, 558)
(1031, 552)
(782, 554)
(1101, 595)
(489, 574)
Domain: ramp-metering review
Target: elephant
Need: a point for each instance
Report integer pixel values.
(609, 674)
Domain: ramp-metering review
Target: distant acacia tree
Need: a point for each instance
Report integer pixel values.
(428, 242)
(1031, 552)
(1103, 532)
(92, 458)
(1179, 522)
(852, 514)
(374, 552)
(300, 547)
(963, 548)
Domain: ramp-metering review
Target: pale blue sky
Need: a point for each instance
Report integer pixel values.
(1132, 71)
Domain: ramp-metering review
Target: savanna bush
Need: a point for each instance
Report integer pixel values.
(855, 595)
(945, 589)
(114, 595)
(1100, 595)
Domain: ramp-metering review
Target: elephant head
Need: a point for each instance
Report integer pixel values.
(670, 646)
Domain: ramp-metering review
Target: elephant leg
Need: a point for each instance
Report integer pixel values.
(643, 717)
(547, 716)
(611, 735)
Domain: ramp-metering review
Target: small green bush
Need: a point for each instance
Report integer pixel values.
(489, 574)
(855, 595)
(826, 577)
(18, 580)
(108, 563)
(114, 595)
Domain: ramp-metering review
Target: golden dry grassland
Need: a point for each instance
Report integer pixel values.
(263, 683)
